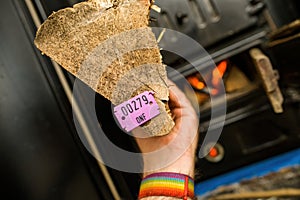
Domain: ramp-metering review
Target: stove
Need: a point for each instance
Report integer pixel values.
(258, 66)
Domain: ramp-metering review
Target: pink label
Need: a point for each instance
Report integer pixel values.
(136, 111)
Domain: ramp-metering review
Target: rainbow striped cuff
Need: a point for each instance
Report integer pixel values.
(167, 184)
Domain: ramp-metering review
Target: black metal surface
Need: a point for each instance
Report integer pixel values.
(126, 183)
(207, 21)
(284, 12)
(40, 158)
(49, 6)
(254, 134)
(203, 60)
(285, 57)
(252, 130)
(272, 134)
(229, 32)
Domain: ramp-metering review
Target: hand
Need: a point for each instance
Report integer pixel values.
(178, 147)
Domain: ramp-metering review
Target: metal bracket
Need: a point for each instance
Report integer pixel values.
(269, 77)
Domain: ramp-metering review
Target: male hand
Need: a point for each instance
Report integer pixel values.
(178, 147)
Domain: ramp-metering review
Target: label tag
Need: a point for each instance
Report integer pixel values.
(137, 111)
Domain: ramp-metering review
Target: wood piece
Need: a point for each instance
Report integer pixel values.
(109, 46)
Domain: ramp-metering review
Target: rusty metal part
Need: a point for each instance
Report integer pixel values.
(269, 77)
(286, 31)
(285, 34)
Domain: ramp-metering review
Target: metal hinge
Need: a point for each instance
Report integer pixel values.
(269, 77)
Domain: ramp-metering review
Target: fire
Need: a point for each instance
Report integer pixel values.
(196, 83)
(218, 73)
(215, 77)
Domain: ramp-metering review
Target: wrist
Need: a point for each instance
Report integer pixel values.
(183, 165)
(178, 168)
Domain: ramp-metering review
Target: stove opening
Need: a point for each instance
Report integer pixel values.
(237, 74)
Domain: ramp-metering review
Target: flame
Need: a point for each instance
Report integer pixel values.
(216, 78)
(196, 83)
(218, 73)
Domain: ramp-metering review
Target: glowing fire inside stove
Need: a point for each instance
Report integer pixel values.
(215, 77)
(196, 83)
(218, 73)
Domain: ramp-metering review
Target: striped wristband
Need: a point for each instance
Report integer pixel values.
(167, 184)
